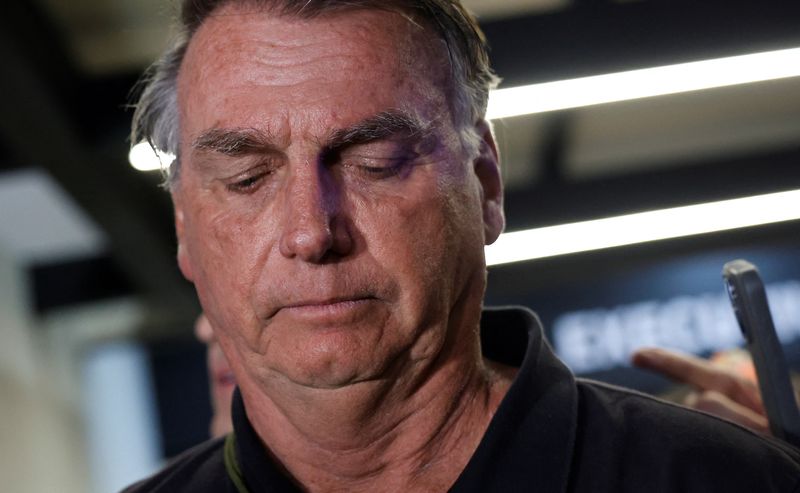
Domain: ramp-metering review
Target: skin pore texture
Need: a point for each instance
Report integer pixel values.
(333, 221)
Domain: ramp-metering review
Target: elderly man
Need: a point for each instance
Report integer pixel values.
(335, 185)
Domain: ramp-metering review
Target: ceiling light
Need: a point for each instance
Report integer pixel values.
(635, 84)
(144, 158)
(644, 227)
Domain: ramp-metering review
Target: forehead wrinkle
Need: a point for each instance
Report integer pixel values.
(286, 45)
(284, 49)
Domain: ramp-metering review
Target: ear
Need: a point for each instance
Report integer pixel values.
(487, 169)
(184, 261)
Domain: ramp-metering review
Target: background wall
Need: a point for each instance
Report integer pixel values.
(42, 441)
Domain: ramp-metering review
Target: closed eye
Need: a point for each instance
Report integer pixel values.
(377, 168)
(249, 181)
(376, 160)
(247, 185)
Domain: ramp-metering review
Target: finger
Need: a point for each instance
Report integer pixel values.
(677, 366)
(700, 374)
(713, 402)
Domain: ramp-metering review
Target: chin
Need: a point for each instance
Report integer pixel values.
(328, 358)
(334, 371)
(329, 376)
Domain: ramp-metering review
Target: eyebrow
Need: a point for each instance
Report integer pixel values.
(379, 126)
(235, 141)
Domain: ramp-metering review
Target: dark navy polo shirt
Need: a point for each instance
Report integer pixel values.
(551, 433)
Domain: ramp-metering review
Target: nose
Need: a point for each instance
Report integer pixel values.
(314, 228)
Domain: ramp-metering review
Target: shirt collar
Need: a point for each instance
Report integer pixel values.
(529, 442)
(259, 470)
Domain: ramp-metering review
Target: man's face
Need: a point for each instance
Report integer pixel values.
(327, 212)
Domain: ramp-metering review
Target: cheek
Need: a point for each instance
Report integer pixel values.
(403, 225)
(217, 238)
(231, 237)
(424, 234)
(228, 249)
(459, 231)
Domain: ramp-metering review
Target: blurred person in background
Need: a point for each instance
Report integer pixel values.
(221, 381)
(335, 185)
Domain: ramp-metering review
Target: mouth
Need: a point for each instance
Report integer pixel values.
(326, 309)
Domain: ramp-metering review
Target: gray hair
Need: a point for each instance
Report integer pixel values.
(156, 117)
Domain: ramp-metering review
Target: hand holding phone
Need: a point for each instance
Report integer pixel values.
(749, 300)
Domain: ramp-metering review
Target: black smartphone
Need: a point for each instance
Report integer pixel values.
(749, 300)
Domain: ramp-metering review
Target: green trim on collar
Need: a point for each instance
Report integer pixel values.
(232, 466)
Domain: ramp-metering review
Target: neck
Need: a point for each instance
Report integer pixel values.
(400, 434)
